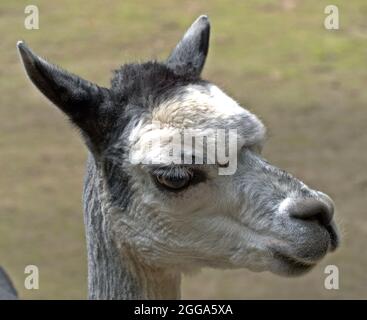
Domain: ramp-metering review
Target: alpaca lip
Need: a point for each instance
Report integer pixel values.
(295, 264)
(304, 263)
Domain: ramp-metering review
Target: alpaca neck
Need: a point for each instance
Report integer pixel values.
(114, 273)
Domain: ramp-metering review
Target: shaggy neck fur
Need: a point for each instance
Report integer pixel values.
(114, 273)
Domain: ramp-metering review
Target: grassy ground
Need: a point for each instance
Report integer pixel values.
(275, 57)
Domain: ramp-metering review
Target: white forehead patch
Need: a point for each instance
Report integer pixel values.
(196, 104)
(199, 109)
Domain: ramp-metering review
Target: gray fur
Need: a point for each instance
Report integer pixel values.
(7, 290)
(190, 53)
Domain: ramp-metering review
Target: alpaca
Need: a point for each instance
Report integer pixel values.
(148, 221)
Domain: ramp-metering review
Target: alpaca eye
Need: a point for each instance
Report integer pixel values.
(173, 183)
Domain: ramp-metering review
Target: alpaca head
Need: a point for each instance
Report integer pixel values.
(230, 211)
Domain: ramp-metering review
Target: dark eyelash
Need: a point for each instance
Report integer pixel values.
(173, 172)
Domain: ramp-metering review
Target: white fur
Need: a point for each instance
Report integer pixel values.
(193, 109)
(284, 205)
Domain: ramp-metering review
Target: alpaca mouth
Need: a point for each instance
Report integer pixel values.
(291, 263)
(306, 250)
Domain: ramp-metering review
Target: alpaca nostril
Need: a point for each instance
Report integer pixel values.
(313, 209)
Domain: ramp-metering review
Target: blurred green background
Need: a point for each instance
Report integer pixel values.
(307, 84)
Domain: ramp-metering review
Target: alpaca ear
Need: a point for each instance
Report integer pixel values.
(190, 53)
(79, 99)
